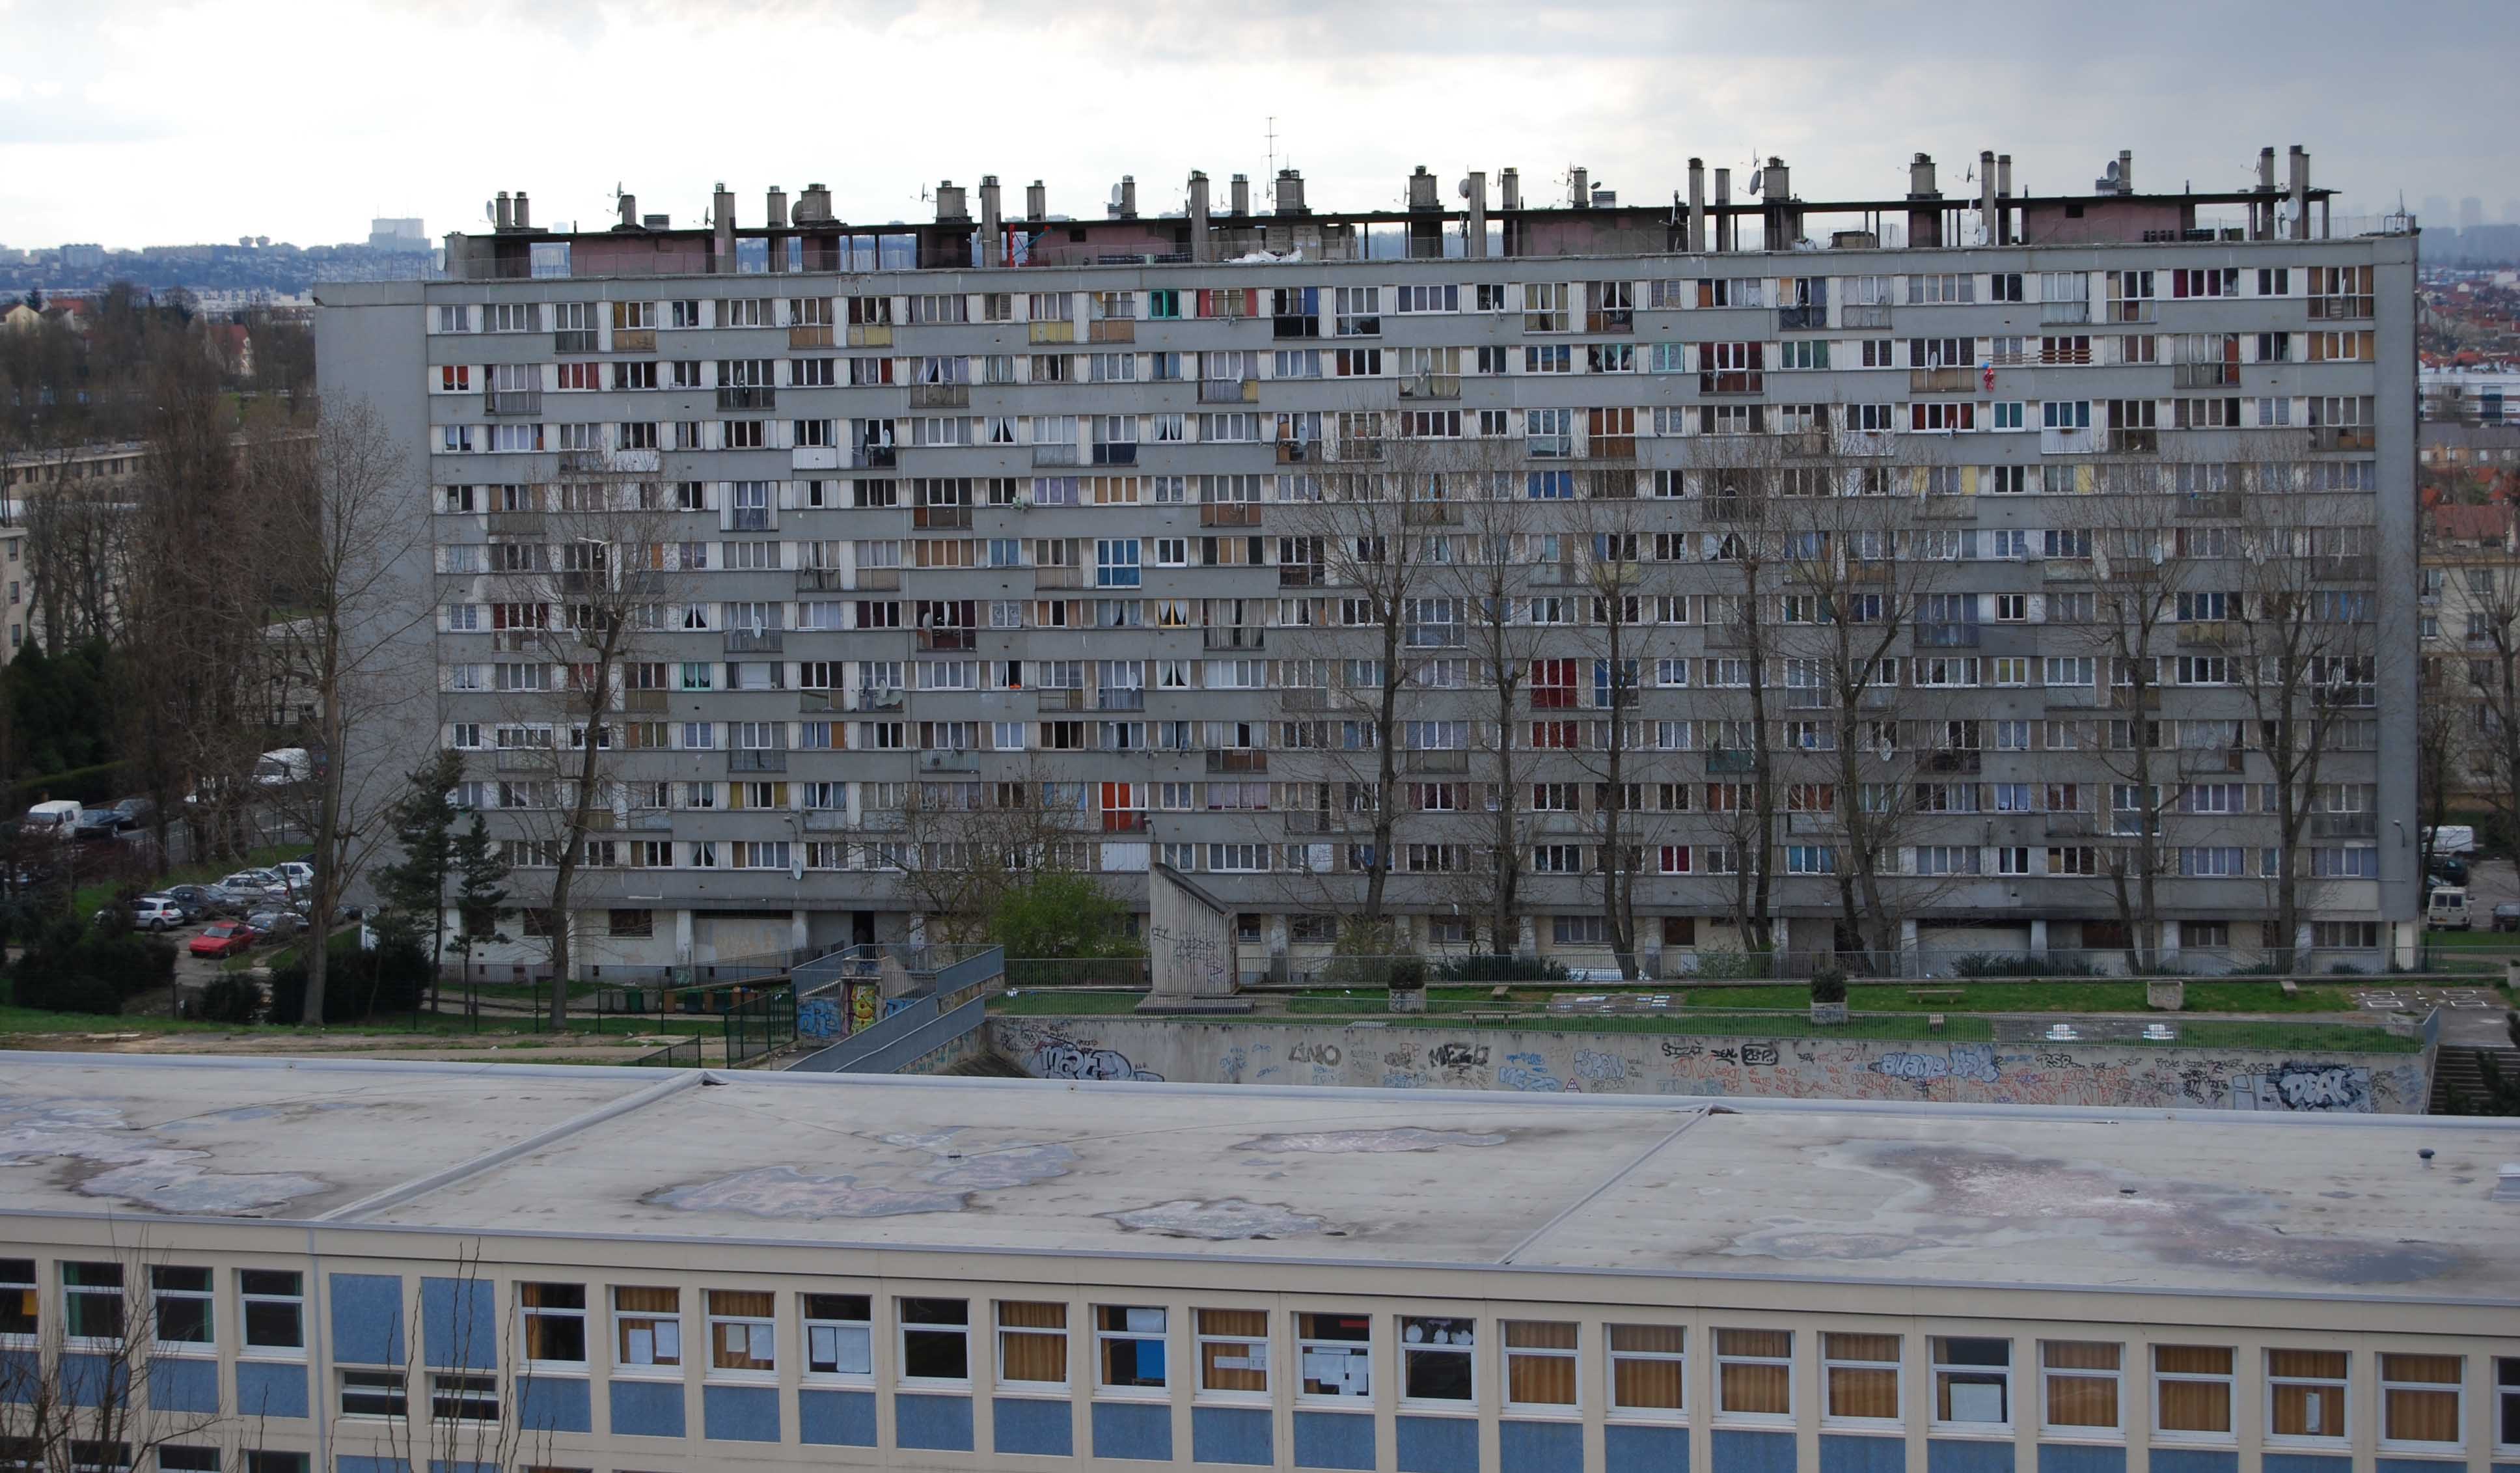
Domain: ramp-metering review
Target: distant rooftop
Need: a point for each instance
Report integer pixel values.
(1860, 1192)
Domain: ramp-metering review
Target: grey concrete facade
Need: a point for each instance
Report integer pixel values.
(1064, 538)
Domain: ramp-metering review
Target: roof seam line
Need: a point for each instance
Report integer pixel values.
(396, 1196)
(1614, 1178)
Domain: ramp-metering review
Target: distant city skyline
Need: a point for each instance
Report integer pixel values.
(134, 123)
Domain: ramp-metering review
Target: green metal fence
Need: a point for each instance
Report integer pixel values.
(761, 1025)
(682, 1053)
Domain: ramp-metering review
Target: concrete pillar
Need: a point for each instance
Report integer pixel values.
(1907, 948)
(2168, 948)
(1474, 230)
(682, 937)
(1697, 207)
(1526, 942)
(2039, 938)
(800, 934)
(1202, 249)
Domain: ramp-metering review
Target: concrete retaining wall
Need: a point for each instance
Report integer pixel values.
(1410, 1057)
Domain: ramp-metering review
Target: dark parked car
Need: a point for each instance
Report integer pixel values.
(197, 900)
(137, 813)
(96, 824)
(2507, 916)
(2450, 869)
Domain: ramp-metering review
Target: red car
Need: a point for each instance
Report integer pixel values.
(224, 938)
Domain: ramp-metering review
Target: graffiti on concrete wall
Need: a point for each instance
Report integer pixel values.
(1555, 1063)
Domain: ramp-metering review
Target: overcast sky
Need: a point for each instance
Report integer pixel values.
(136, 123)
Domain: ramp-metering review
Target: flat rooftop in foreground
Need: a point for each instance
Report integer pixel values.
(1863, 1193)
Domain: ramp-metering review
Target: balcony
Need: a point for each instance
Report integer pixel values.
(948, 640)
(810, 336)
(1304, 698)
(1048, 702)
(1229, 514)
(575, 340)
(1963, 763)
(650, 820)
(877, 698)
(949, 760)
(1431, 387)
(2343, 825)
(820, 702)
(755, 641)
(2339, 308)
(2065, 314)
(1115, 454)
(2207, 634)
(582, 462)
(513, 401)
(1233, 636)
(2065, 569)
(2327, 437)
(516, 523)
(1237, 760)
(2218, 760)
(1805, 319)
(643, 701)
(826, 820)
(757, 760)
(1947, 635)
(2129, 699)
(1863, 314)
(1360, 448)
(1298, 452)
(1941, 380)
(2135, 442)
(879, 578)
(1948, 508)
(751, 519)
(1730, 761)
(873, 457)
(870, 335)
(2205, 375)
(747, 396)
(1548, 447)
(814, 458)
(1301, 575)
(1435, 763)
(1120, 698)
(1430, 514)
(1611, 319)
(940, 397)
(1051, 331)
(2208, 504)
(1733, 382)
(940, 518)
(1229, 391)
(1615, 448)
(634, 340)
(1111, 330)
(1317, 822)
(2130, 310)
(1054, 454)
(1727, 507)
(1058, 576)
(2082, 440)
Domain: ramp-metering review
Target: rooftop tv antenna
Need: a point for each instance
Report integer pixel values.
(1273, 148)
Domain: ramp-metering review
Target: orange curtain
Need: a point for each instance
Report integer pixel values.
(1251, 1324)
(2417, 1412)
(1868, 1390)
(1645, 1385)
(1757, 1389)
(1030, 1353)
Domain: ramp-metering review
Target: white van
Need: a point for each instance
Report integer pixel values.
(283, 767)
(2447, 909)
(58, 817)
(2452, 838)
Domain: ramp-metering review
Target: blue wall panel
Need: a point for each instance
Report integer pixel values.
(1044, 1429)
(1540, 1447)
(1134, 1430)
(648, 1408)
(1231, 1435)
(2197, 1460)
(179, 1384)
(554, 1404)
(2079, 1457)
(367, 1319)
(1753, 1451)
(835, 1418)
(1645, 1449)
(739, 1413)
(95, 1380)
(1863, 1455)
(347, 1465)
(2305, 1462)
(942, 1423)
(1333, 1439)
(459, 1323)
(270, 1388)
(1435, 1443)
(1955, 1455)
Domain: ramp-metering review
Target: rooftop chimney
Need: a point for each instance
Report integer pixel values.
(1290, 192)
(1920, 178)
(1579, 187)
(1776, 182)
(2126, 171)
(722, 235)
(776, 207)
(814, 207)
(1421, 191)
(1242, 194)
(950, 202)
(2266, 168)
(1200, 248)
(1986, 193)
(2300, 162)
(1128, 196)
(499, 217)
(629, 211)
(1697, 204)
(525, 218)
(1036, 202)
(1723, 198)
(1474, 229)
(1510, 189)
(992, 238)
(2004, 175)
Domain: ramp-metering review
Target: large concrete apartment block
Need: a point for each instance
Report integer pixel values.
(957, 534)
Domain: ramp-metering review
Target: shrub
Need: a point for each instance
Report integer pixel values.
(357, 984)
(1984, 965)
(71, 968)
(1724, 964)
(1829, 986)
(1365, 955)
(1407, 974)
(1488, 967)
(232, 998)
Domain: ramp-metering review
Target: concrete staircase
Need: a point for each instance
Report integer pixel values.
(2457, 1076)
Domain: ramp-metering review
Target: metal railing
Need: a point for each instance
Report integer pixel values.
(747, 396)
(755, 641)
(756, 760)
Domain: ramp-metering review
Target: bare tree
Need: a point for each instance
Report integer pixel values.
(472, 1372)
(1490, 580)
(349, 531)
(970, 843)
(1623, 643)
(1735, 483)
(94, 1390)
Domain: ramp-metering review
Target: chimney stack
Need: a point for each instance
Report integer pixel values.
(1290, 192)
(992, 238)
(2126, 171)
(1920, 178)
(629, 211)
(1698, 206)
(1510, 189)
(2300, 162)
(2004, 190)
(1036, 202)
(1241, 191)
(722, 221)
(500, 215)
(1579, 187)
(1722, 219)
(950, 203)
(2266, 168)
(1421, 191)
(776, 209)
(524, 216)
(1986, 193)
(1200, 248)
(1474, 229)
(1128, 196)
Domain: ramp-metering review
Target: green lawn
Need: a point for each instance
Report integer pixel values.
(1055, 1003)
(2062, 995)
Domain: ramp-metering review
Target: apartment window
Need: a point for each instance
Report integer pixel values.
(2507, 1402)
(744, 1335)
(1129, 1345)
(275, 1308)
(1539, 1363)
(92, 1300)
(1233, 1351)
(374, 1392)
(553, 1322)
(2082, 1386)
(20, 1297)
(935, 1339)
(838, 1335)
(1647, 1366)
(647, 1326)
(1334, 1352)
(1972, 1381)
(1032, 1343)
(175, 1459)
(1754, 1374)
(2420, 1400)
(455, 1397)
(180, 1305)
(2191, 1391)
(1859, 1378)
(2305, 1389)
(1437, 1358)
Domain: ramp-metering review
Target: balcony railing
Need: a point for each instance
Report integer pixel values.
(1304, 698)
(879, 578)
(879, 698)
(1731, 760)
(1237, 760)
(2204, 632)
(1051, 331)
(1804, 319)
(2205, 375)
(2135, 309)
(1727, 507)
(2135, 442)
(1298, 452)
(1430, 514)
(2213, 760)
(516, 523)
(1229, 514)
(820, 702)
(751, 520)
(2209, 504)
(747, 396)
(1611, 319)
(1111, 330)
(2343, 825)
(826, 820)
(810, 336)
(575, 340)
(1548, 447)
(757, 760)
(1059, 700)
(581, 461)
(1120, 698)
(1947, 635)
(1431, 387)
(1115, 454)
(643, 701)
(870, 335)
(755, 641)
(1435, 763)
(949, 760)
(1733, 382)
(1863, 314)
(1058, 576)
(948, 639)
(2339, 308)
(2065, 314)
(2082, 440)
(940, 397)
(1229, 391)
(1233, 636)
(873, 457)
(1300, 576)
(1054, 454)
(1941, 380)
(1610, 447)
(513, 401)
(1963, 763)
(634, 340)
(939, 518)
(2344, 437)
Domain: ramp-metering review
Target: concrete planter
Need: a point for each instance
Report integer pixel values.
(2166, 996)
(1828, 1012)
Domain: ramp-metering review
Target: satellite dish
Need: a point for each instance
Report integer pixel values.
(490, 210)
(1115, 194)
(1462, 189)
(2111, 173)
(1758, 178)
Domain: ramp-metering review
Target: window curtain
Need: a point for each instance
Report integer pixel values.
(1031, 1355)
